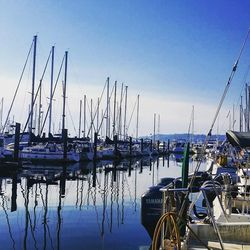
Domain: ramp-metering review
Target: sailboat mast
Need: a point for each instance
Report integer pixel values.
(192, 128)
(241, 113)
(51, 88)
(91, 118)
(35, 120)
(84, 116)
(154, 127)
(120, 114)
(1, 115)
(159, 122)
(39, 109)
(114, 110)
(107, 109)
(233, 118)
(125, 112)
(97, 115)
(248, 107)
(137, 117)
(64, 89)
(33, 85)
(102, 113)
(80, 120)
(114, 116)
(246, 111)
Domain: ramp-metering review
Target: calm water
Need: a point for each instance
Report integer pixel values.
(53, 207)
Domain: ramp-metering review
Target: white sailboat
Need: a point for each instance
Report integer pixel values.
(49, 152)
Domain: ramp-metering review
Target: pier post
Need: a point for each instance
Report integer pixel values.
(95, 146)
(130, 167)
(65, 139)
(14, 193)
(185, 167)
(184, 177)
(158, 146)
(17, 142)
(168, 152)
(141, 145)
(114, 170)
(115, 144)
(141, 166)
(63, 182)
(94, 174)
(130, 146)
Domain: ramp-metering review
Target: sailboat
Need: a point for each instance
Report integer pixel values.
(224, 221)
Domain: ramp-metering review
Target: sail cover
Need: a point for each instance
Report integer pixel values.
(241, 139)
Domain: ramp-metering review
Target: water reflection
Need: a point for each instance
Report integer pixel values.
(93, 205)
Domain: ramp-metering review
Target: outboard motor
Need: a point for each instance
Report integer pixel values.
(151, 204)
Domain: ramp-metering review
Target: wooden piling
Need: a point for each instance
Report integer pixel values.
(14, 193)
(141, 145)
(65, 139)
(17, 142)
(130, 146)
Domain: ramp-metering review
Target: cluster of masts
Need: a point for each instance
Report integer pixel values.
(108, 121)
(113, 122)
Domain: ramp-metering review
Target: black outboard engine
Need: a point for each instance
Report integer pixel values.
(151, 204)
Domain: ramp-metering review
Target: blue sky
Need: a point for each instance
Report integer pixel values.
(175, 54)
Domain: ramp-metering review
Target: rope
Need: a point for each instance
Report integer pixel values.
(59, 73)
(18, 85)
(131, 115)
(165, 217)
(172, 216)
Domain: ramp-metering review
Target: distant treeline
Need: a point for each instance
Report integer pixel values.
(194, 138)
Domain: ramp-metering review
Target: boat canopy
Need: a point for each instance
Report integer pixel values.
(241, 139)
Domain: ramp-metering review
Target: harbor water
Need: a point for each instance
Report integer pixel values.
(79, 206)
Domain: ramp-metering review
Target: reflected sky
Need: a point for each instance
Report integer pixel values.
(80, 206)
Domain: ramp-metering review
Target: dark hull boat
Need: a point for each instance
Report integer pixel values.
(151, 205)
(151, 201)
